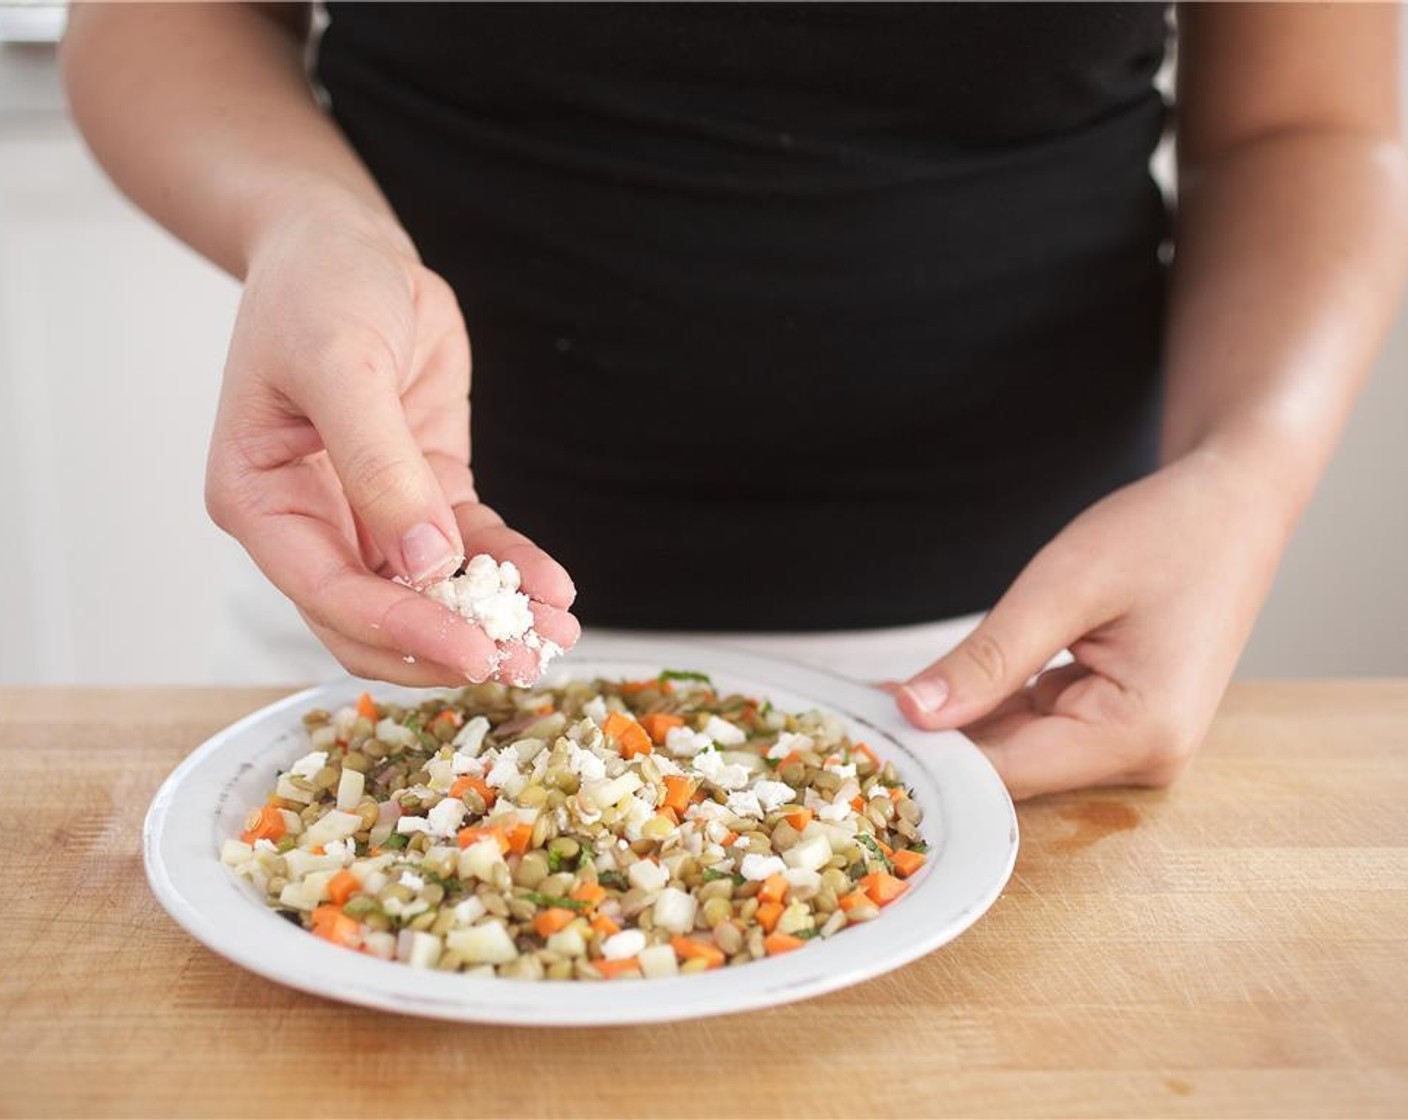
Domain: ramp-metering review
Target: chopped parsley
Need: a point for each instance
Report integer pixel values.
(870, 842)
(684, 675)
(613, 879)
(554, 900)
(807, 934)
(395, 840)
(710, 875)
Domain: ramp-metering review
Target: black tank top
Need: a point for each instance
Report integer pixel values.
(783, 317)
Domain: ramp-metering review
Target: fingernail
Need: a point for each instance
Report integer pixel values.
(426, 553)
(929, 693)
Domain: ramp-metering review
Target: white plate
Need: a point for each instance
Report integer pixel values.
(968, 819)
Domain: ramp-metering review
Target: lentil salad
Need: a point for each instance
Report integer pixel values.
(591, 830)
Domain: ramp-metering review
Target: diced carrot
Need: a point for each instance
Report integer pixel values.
(466, 782)
(699, 795)
(800, 819)
(687, 948)
(768, 914)
(366, 706)
(882, 888)
(897, 793)
(629, 735)
(884, 847)
(549, 921)
(831, 760)
(669, 814)
(628, 687)
(519, 837)
(730, 838)
(612, 969)
(677, 791)
(343, 886)
(789, 758)
(657, 725)
(906, 862)
(774, 889)
(543, 709)
(331, 924)
(604, 926)
(590, 893)
(849, 902)
(450, 716)
(269, 825)
(319, 850)
(468, 836)
(861, 748)
(858, 803)
(776, 943)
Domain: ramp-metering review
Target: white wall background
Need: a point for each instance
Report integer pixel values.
(112, 337)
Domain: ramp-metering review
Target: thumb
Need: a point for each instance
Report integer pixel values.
(384, 473)
(1039, 616)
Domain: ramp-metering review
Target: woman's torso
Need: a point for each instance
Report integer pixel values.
(783, 317)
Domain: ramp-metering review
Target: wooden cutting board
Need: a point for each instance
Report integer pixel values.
(1237, 946)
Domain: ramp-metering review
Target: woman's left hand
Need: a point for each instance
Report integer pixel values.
(1153, 590)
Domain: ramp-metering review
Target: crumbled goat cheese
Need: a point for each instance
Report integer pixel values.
(772, 795)
(758, 868)
(788, 742)
(745, 803)
(411, 880)
(445, 817)
(487, 593)
(724, 733)
(685, 743)
(505, 767)
(711, 765)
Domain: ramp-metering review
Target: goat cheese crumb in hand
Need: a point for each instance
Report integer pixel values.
(487, 593)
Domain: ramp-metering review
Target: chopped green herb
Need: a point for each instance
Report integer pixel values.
(857, 870)
(555, 861)
(395, 841)
(921, 846)
(613, 879)
(869, 842)
(287, 844)
(553, 900)
(586, 856)
(685, 675)
(710, 875)
(807, 934)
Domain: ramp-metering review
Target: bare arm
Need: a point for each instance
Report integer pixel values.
(203, 115)
(1292, 236)
(340, 454)
(1292, 232)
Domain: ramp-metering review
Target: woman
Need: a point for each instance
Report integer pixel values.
(785, 318)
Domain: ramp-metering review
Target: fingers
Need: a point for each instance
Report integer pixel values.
(1082, 730)
(1051, 754)
(383, 665)
(1047, 608)
(356, 407)
(320, 571)
(544, 579)
(556, 626)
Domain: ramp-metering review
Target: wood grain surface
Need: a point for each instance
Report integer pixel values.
(1237, 946)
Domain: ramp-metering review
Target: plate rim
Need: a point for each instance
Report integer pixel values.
(365, 981)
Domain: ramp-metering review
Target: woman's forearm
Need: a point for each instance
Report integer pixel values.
(1290, 261)
(203, 115)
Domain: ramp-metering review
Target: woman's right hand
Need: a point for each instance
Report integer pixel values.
(340, 456)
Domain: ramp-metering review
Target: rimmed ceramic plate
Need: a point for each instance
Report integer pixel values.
(968, 819)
